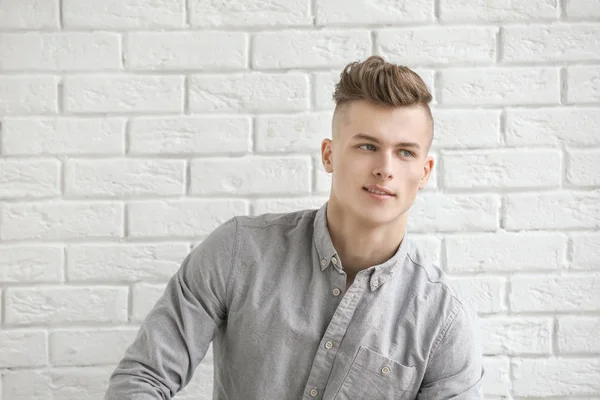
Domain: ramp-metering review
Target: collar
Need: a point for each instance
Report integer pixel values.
(323, 242)
(379, 274)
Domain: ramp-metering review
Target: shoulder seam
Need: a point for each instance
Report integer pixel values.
(432, 281)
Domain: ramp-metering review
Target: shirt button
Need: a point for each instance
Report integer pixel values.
(385, 370)
(323, 262)
(336, 292)
(334, 260)
(375, 282)
(329, 345)
(314, 393)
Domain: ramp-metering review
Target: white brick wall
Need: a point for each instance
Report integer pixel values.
(130, 129)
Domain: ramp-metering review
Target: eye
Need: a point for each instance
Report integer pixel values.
(407, 153)
(368, 147)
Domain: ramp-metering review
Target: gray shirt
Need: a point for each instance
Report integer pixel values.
(270, 293)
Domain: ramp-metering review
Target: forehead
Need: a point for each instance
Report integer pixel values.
(386, 123)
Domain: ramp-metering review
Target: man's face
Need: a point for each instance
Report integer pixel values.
(378, 159)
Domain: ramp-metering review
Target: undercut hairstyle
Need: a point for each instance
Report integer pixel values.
(382, 83)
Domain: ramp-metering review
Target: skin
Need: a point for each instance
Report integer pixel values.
(374, 145)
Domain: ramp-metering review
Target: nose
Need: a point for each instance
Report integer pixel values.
(383, 170)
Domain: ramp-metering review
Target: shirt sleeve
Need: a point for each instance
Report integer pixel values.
(177, 332)
(455, 369)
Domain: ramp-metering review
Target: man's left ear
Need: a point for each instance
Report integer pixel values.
(427, 169)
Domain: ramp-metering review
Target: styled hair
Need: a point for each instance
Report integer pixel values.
(381, 83)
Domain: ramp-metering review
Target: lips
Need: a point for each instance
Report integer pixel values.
(380, 190)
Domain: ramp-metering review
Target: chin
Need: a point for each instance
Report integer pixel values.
(378, 215)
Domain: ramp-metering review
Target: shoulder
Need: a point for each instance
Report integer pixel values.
(431, 282)
(453, 311)
(282, 220)
(428, 274)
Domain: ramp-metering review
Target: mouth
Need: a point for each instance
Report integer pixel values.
(379, 192)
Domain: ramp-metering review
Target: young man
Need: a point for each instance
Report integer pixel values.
(328, 304)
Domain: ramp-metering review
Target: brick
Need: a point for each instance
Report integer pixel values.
(510, 336)
(498, 10)
(500, 86)
(269, 206)
(181, 218)
(553, 126)
(190, 135)
(89, 346)
(585, 253)
(70, 51)
(60, 221)
(484, 294)
(324, 84)
(23, 348)
(551, 293)
(75, 383)
(514, 168)
(504, 251)
(124, 177)
(104, 94)
(583, 168)
(29, 178)
(339, 12)
(63, 136)
(144, 296)
(555, 377)
(123, 14)
(292, 133)
(562, 210)
(186, 50)
(437, 45)
(29, 14)
(251, 175)
(466, 128)
(582, 9)
(583, 84)
(28, 95)
(253, 92)
(58, 304)
(309, 49)
(442, 213)
(578, 334)
(551, 43)
(124, 262)
(496, 379)
(24, 263)
(249, 13)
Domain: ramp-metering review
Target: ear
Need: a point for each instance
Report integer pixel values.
(326, 155)
(427, 168)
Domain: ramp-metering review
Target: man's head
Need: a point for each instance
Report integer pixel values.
(382, 131)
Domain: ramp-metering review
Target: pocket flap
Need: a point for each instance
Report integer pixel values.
(385, 367)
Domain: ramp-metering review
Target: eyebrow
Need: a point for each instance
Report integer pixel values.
(363, 136)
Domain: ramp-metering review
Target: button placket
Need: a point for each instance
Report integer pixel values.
(323, 362)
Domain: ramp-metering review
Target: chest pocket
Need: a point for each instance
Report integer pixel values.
(375, 377)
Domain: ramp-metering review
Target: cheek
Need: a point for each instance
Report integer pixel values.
(412, 174)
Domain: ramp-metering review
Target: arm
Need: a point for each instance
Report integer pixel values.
(175, 335)
(456, 366)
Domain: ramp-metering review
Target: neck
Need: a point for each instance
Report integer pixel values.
(361, 244)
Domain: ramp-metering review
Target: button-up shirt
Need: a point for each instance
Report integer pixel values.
(270, 293)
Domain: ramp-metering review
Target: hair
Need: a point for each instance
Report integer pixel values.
(382, 83)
